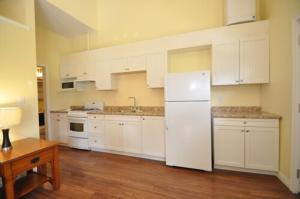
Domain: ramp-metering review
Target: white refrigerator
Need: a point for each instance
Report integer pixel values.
(188, 120)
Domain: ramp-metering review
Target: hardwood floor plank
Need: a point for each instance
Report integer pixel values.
(93, 175)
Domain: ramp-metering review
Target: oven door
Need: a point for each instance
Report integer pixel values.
(78, 127)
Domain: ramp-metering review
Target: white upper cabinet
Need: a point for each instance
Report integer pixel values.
(86, 67)
(137, 63)
(245, 61)
(104, 79)
(68, 68)
(119, 65)
(79, 65)
(156, 66)
(130, 64)
(254, 60)
(225, 61)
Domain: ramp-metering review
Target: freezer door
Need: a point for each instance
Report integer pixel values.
(193, 86)
(188, 135)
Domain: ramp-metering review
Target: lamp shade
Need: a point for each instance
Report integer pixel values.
(9, 116)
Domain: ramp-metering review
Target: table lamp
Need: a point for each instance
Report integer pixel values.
(9, 116)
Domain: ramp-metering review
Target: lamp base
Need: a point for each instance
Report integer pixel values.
(6, 144)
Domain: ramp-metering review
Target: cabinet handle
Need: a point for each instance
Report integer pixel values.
(85, 73)
(35, 160)
(245, 122)
(237, 81)
(243, 131)
(67, 75)
(247, 131)
(241, 80)
(95, 127)
(127, 69)
(57, 120)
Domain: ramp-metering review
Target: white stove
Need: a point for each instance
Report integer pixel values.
(78, 135)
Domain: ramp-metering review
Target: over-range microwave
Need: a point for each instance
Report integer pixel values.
(68, 85)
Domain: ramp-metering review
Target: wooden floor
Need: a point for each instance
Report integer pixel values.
(88, 175)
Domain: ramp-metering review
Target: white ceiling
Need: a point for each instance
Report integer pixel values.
(53, 18)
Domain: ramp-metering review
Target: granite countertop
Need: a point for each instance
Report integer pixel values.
(59, 111)
(242, 112)
(126, 110)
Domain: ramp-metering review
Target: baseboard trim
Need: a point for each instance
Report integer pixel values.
(285, 180)
(129, 154)
(246, 170)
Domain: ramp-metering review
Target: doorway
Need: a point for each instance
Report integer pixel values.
(295, 158)
(41, 88)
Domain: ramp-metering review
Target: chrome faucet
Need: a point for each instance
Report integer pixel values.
(134, 107)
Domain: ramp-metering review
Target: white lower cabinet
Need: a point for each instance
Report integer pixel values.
(247, 143)
(59, 127)
(132, 137)
(113, 135)
(229, 142)
(96, 131)
(143, 136)
(153, 129)
(262, 147)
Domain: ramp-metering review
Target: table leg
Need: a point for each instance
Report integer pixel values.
(55, 170)
(9, 182)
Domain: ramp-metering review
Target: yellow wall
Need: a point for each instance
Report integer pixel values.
(18, 72)
(277, 96)
(83, 10)
(50, 48)
(122, 21)
(14, 9)
(118, 23)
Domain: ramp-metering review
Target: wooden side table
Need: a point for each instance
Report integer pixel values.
(27, 154)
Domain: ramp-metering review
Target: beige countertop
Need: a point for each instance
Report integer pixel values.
(59, 111)
(125, 110)
(242, 112)
(143, 113)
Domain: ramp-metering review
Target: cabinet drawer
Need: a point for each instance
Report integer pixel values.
(32, 161)
(268, 123)
(97, 142)
(96, 127)
(122, 118)
(95, 117)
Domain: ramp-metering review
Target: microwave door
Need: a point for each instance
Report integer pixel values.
(67, 85)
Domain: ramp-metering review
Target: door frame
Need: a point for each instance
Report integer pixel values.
(47, 101)
(295, 134)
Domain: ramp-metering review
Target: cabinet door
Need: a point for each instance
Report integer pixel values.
(229, 146)
(132, 137)
(65, 68)
(156, 69)
(137, 63)
(225, 63)
(262, 148)
(119, 65)
(54, 133)
(113, 135)
(254, 60)
(63, 127)
(153, 131)
(104, 79)
(85, 66)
